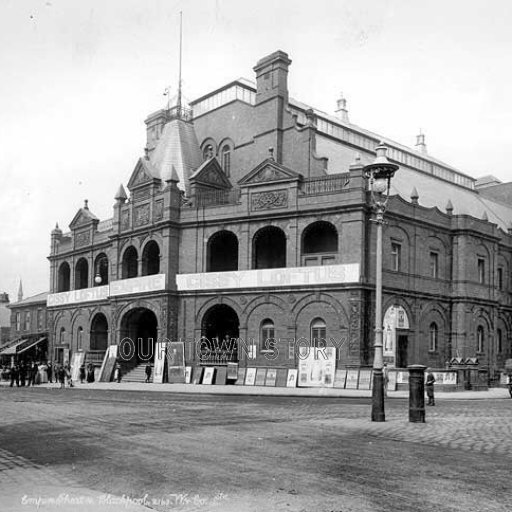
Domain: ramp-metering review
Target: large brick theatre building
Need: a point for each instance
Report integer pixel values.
(248, 219)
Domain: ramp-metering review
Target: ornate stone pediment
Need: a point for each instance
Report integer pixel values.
(269, 171)
(210, 174)
(144, 173)
(82, 218)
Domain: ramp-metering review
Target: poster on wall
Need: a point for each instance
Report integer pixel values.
(271, 377)
(317, 367)
(160, 352)
(365, 378)
(188, 374)
(339, 379)
(450, 378)
(176, 362)
(392, 381)
(208, 375)
(77, 361)
(109, 362)
(394, 318)
(261, 373)
(250, 377)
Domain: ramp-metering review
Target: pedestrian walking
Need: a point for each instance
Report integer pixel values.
(61, 376)
(23, 374)
(90, 373)
(148, 372)
(82, 373)
(429, 387)
(385, 377)
(15, 376)
(49, 371)
(117, 373)
(67, 370)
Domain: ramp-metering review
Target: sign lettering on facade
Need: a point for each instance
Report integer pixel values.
(272, 277)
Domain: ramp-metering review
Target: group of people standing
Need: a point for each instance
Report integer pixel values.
(26, 374)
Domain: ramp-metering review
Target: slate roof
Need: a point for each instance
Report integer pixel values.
(34, 299)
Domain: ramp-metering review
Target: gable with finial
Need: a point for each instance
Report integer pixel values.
(210, 174)
(83, 217)
(269, 171)
(143, 174)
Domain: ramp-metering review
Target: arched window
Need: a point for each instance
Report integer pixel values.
(433, 337)
(480, 339)
(63, 278)
(81, 274)
(99, 332)
(222, 252)
(319, 244)
(318, 333)
(79, 338)
(269, 248)
(499, 341)
(226, 159)
(151, 259)
(268, 335)
(130, 263)
(101, 270)
(62, 335)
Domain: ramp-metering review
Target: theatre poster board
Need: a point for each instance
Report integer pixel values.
(282, 373)
(271, 377)
(232, 373)
(78, 360)
(450, 378)
(160, 353)
(365, 378)
(220, 375)
(240, 377)
(208, 375)
(402, 377)
(250, 377)
(260, 376)
(340, 378)
(292, 378)
(188, 374)
(176, 362)
(317, 367)
(392, 381)
(352, 379)
(197, 374)
(109, 361)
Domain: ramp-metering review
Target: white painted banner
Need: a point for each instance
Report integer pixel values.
(137, 285)
(270, 277)
(75, 296)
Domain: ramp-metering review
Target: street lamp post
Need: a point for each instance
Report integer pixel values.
(379, 174)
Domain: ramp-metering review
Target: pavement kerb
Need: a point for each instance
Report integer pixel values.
(493, 393)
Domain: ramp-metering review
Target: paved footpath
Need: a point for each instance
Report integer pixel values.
(492, 393)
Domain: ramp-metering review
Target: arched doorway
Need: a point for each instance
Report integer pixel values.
(64, 279)
(222, 252)
(319, 244)
(139, 330)
(81, 274)
(220, 330)
(151, 259)
(99, 333)
(130, 263)
(269, 248)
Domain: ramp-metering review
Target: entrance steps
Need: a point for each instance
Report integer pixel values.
(137, 374)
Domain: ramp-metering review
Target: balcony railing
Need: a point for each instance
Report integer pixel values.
(206, 198)
(325, 185)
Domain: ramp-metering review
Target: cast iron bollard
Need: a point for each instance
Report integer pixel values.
(416, 393)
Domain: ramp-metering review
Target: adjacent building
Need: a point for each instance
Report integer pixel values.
(245, 230)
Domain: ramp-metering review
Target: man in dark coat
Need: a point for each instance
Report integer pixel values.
(15, 376)
(429, 387)
(49, 372)
(148, 372)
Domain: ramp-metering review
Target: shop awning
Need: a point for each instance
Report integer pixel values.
(40, 340)
(12, 350)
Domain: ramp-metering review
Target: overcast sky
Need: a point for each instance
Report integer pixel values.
(78, 78)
